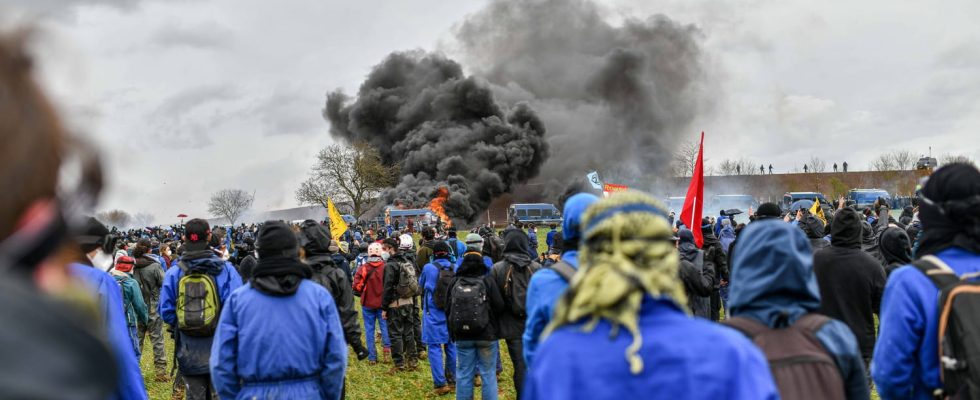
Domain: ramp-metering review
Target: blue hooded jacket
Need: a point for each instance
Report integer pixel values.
(434, 328)
(104, 286)
(683, 358)
(546, 285)
(773, 283)
(906, 361)
(284, 347)
(193, 352)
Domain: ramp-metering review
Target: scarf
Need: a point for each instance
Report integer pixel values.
(279, 275)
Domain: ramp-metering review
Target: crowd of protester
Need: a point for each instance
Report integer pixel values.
(623, 303)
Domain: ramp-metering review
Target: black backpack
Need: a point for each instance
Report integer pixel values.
(445, 279)
(470, 312)
(800, 365)
(959, 328)
(516, 282)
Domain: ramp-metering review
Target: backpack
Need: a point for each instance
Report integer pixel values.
(445, 279)
(564, 270)
(408, 283)
(198, 304)
(801, 366)
(959, 328)
(516, 282)
(470, 312)
(493, 246)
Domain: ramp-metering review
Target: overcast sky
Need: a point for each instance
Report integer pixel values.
(189, 97)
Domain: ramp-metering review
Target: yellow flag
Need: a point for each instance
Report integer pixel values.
(818, 211)
(337, 224)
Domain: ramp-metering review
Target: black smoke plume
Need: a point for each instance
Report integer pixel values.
(443, 129)
(616, 97)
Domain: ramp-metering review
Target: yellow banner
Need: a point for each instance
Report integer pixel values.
(337, 224)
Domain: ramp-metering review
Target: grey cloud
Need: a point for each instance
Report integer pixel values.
(205, 35)
(187, 118)
(288, 111)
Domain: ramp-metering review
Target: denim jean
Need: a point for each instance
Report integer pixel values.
(370, 316)
(134, 338)
(443, 369)
(476, 355)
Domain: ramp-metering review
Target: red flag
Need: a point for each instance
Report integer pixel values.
(691, 213)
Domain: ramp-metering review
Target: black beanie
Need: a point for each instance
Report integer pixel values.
(277, 239)
(440, 249)
(768, 210)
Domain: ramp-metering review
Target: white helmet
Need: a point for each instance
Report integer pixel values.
(406, 242)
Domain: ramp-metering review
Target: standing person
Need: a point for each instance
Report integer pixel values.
(906, 360)
(550, 238)
(316, 244)
(770, 169)
(339, 257)
(457, 246)
(369, 285)
(280, 335)
(90, 271)
(532, 236)
(623, 317)
(762, 170)
(434, 281)
(895, 248)
(149, 273)
(474, 245)
(851, 281)
(398, 299)
(472, 305)
(133, 304)
(511, 278)
(835, 167)
(813, 227)
(774, 300)
(547, 285)
(199, 270)
(697, 273)
(718, 260)
(805, 170)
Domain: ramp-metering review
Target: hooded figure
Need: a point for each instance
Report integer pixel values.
(715, 256)
(623, 316)
(726, 236)
(548, 285)
(511, 278)
(813, 227)
(905, 359)
(696, 273)
(435, 332)
(851, 281)
(279, 336)
(316, 244)
(895, 248)
(773, 283)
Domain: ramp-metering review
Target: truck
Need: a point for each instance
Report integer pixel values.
(534, 213)
(862, 198)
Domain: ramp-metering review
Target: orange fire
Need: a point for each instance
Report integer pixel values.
(438, 205)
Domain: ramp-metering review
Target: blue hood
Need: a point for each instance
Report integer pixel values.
(575, 206)
(772, 274)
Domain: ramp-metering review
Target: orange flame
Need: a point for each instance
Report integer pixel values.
(438, 205)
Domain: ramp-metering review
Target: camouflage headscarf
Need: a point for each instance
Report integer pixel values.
(626, 253)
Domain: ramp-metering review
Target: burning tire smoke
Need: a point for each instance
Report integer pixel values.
(445, 131)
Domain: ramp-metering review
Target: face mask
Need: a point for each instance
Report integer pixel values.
(385, 255)
(101, 260)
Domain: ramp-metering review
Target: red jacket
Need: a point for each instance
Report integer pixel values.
(369, 282)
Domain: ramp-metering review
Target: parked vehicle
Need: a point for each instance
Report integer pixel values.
(866, 197)
(536, 213)
(791, 197)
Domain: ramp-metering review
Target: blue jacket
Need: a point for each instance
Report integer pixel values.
(550, 238)
(193, 352)
(486, 260)
(434, 328)
(901, 368)
(683, 358)
(106, 289)
(772, 281)
(726, 237)
(285, 347)
(546, 286)
(543, 291)
(532, 240)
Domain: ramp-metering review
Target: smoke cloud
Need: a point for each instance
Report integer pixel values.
(443, 129)
(615, 97)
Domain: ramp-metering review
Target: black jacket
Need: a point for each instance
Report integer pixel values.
(474, 268)
(332, 277)
(714, 255)
(393, 268)
(697, 286)
(516, 247)
(851, 281)
(814, 230)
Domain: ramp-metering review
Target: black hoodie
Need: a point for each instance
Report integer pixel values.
(851, 281)
(474, 268)
(814, 230)
(698, 281)
(895, 248)
(334, 279)
(515, 255)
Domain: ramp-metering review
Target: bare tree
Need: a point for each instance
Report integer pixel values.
(143, 219)
(950, 158)
(817, 164)
(117, 218)
(884, 162)
(230, 204)
(903, 159)
(350, 174)
(729, 167)
(685, 158)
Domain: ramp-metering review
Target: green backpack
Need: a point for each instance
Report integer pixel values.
(198, 304)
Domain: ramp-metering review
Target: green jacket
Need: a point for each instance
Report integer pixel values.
(133, 303)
